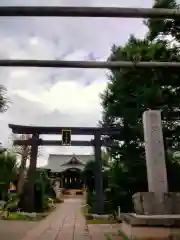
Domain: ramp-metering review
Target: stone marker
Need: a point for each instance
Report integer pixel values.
(155, 156)
(158, 200)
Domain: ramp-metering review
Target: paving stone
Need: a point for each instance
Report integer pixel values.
(14, 230)
(65, 223)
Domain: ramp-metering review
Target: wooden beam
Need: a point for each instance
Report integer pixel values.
(20, 129)
(86, 64)
(110, 12)
(59, 143)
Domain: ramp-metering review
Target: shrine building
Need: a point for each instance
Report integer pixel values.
(66, 169)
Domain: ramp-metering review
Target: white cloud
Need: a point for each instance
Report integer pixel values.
(69, 97)
(59, 97)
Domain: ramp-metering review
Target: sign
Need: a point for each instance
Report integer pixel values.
(73, 169)
(12, 187)
(66, 137)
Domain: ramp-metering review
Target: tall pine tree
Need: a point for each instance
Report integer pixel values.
(132, 91)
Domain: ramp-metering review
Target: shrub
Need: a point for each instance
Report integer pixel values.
(90, 197)
(57, 200)
(12, 203)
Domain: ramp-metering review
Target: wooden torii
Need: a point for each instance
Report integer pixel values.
(35, 141)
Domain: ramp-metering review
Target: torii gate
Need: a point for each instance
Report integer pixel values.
(35, 141)
(84, 12)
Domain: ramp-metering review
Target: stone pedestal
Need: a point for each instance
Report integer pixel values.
(157, 212)
(154, 204)
(145, 227)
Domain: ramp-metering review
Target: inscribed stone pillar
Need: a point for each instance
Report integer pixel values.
(158, 201)
(155, 156)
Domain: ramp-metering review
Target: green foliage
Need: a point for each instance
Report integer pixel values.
(164, 27)
(91, 201)
(57, 200)
(105, 158)
(129, 93)
(41, 198)
(123, 236)
(3, 99)
(89, 197)
(88, 175)
(18, 216)
(8, 172)
(12, 203)
(44, 191)
(47, 203)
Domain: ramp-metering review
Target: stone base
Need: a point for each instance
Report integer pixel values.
(150, 203)
(143, 227)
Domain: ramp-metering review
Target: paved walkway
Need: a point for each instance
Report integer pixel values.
(14, 230)
(68, 223)
(65, 223)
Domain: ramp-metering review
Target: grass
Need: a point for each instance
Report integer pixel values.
(85, 210)
(123, 236)
(21, 217)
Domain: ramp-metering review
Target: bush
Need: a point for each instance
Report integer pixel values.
(90, 198)
(57, 200)
(12, 203)
(47, 203)
(108, 207)
(91, 201)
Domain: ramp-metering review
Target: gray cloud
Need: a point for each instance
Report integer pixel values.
(59, 38)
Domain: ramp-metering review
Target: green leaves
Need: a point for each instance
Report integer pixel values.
(160, 28)
(3, 99)
(130, 92)
(8, 171)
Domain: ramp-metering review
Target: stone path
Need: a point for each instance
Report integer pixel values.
(68, 223)
(14, 230)
(65, 223)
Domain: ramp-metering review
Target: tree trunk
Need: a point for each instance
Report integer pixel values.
(22, 168)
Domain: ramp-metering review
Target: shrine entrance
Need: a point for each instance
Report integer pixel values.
(71, 179)
(97, 142)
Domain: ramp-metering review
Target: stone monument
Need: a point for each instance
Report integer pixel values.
(158, 200)
(157, 212)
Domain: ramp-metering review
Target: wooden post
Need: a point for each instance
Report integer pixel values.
(32, 174)
(98, 174)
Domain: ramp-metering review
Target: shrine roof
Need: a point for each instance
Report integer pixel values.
(61, 162)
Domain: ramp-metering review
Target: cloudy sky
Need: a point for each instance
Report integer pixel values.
(54, 97)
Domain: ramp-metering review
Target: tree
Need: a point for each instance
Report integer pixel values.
(105, 158)
(88, 175)
(24, 152)
(3, 99)
(8, 171)
(129, 93)
(164, 27)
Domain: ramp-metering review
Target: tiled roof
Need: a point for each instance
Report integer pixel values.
(60, 163)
